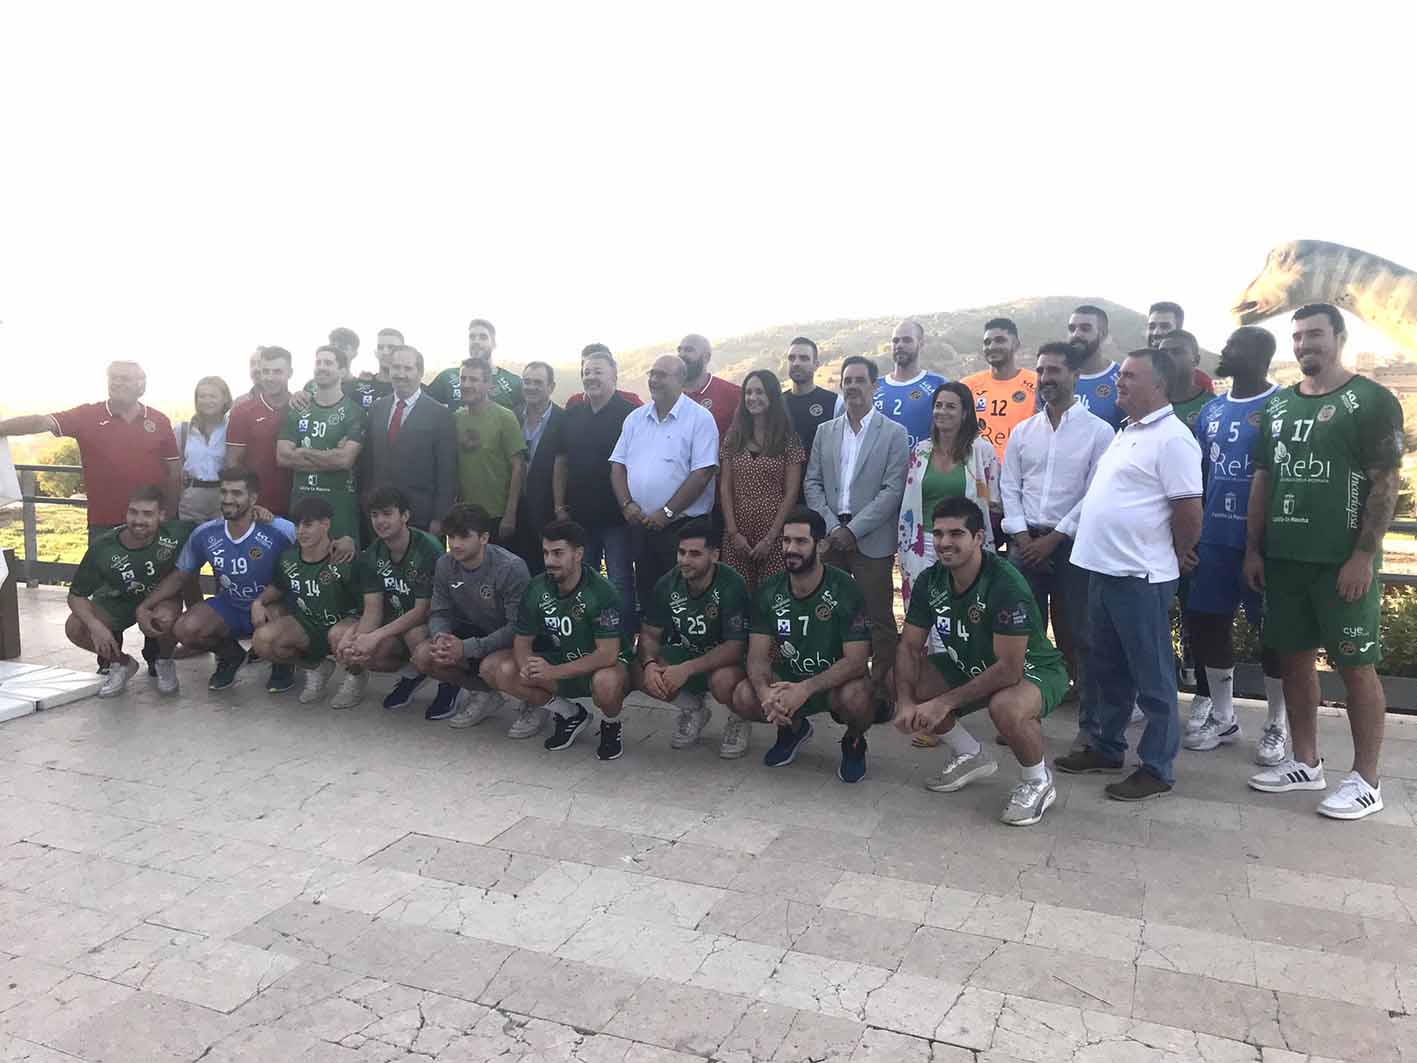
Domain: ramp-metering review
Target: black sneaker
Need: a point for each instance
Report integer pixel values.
(567, 727)
(150, 649)
(442, 705)
(226, 669)
(853, 757)
(403, 690)
(789, 740)
(611, 745)
(282, 678)
(252, 656)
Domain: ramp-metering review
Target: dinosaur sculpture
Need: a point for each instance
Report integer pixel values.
(1380, 292)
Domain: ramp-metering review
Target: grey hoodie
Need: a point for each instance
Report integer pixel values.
(487, 597)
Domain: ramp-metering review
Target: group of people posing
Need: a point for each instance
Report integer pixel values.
(456, 530)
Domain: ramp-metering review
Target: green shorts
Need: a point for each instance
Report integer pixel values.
(579, 687)
(319, 638)
(821, 701)
(119, 614)
(1051, 681)
(696, 683)
(1303, 611)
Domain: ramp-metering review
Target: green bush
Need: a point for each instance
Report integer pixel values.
(60, 484)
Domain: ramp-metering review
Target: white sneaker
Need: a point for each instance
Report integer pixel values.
(119, 672)
(692, 717)
(1289, 775)
(1270, 749)
(470, 708)
(1213, 734)
(1028, 802)
(961, 771)
(1200, 712)
(529, 722)
(315, 682)
(167, 676)
(1187, 677)
(736, 734)
(351, 691)
(1353, 799)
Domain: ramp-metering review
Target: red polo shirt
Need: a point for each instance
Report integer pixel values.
(721, 399)
(253, 427)
(117, 455)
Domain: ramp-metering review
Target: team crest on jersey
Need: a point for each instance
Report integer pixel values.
(578, 611)
(916, 395)
(815, 409)
(485, 592)
(1253, 420)
(976, 614)
(164, 553)
(257, 553)
(327, 575)
(1104, 391)
(707, 403)
(1347, 649)
(711, 612)
(784, 625)
(1019, 396)
(823, 612)
(1326, 412)
(149, 426)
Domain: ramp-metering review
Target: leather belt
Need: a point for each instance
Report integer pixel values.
(188, 481)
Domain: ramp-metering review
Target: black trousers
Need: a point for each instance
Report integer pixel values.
(653, 553)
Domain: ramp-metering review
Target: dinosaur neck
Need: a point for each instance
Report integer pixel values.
(1380, 292)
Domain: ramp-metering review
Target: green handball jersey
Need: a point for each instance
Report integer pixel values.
(810, 632)
(325, 428)
(1317, 450)
(319, 593)
(565, 627)
(117, 579)
(505, 389)
(692, 626)
(403, 583)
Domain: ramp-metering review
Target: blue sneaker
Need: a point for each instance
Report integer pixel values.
(789, 740)
(282, 678)
(403, 690)
(442, 706)
(226, 669)
(853, 757)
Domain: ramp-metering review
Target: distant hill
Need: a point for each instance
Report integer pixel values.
(951, 340)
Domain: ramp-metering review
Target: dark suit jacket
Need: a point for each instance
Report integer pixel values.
(538, 506)
(423, 462)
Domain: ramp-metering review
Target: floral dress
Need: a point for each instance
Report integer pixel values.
(759, 486)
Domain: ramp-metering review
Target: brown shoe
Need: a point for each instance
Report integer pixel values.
(1140, 785)
(1088, 762)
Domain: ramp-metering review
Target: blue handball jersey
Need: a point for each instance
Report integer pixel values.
(1226, 430)
(911, 405)
(1099, 394)
(244, 567)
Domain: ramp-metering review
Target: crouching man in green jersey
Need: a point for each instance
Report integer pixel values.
(995, 654)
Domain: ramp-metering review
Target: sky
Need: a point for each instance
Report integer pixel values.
(183, 182)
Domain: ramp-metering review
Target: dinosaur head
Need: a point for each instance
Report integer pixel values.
(1276, 288)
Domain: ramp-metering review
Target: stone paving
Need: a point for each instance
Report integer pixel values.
(236, 877)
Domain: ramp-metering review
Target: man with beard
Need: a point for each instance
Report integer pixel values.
(1227, 429)
(504, 388)
(808, 405)
(1005, 393)
(1325, 486)
(1097, 378)
(713, 393)
(321, 445)
(253, 366)
(995, 654)
(309, 607)
(807, 652)
(568, 646)
(1187, 396)
(254, 426)
(1163, 319)
(691, 642)
(906, 395)
(117, 571)
(491, 451)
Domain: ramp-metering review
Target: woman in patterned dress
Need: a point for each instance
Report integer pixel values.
(760, 462)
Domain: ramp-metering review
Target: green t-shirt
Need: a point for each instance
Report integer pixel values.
(565, 627)
(404, 582)
(324, 428)
(810, 632)
(117, 579)
(1317, 450)
(998, 602)
(487, 443)
(505, 389)
(319, 593)
(938, 486)
(691, 626)
(1189, 410)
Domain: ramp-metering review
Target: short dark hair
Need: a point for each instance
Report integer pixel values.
(700, 528)
(346, 336)
(960, 508)
(340, 357)
(417, 354)
(391, 332)
(467, 518)
(148, 493)
(1168, 307)
(546, 368)
(239, 473)
(1188, 341)
(1328, 310)
(857, 359)
(595, 348)
(1004, 323)
(810, 517)
(1094, 311)
(387, 496)
(484, 323)
(567, 531)
(1260, 338)
(803, 341)
(1059, 347)
(275, 353)
(312, 507)
(478, 363)
(1162, 364)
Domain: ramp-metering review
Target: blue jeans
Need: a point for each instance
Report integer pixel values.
(1131, 661)
(612, 543)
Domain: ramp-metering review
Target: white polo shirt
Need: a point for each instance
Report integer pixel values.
(659, 455)
(1125, 526)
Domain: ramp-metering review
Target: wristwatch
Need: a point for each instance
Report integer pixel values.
(668, 513)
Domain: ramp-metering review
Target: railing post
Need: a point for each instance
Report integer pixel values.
(28, 486)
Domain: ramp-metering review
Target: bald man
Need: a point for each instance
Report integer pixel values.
(713, 393)
(906, 395)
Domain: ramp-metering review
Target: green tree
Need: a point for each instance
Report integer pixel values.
(60, 484)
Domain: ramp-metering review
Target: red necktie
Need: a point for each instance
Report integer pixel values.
(396, 422)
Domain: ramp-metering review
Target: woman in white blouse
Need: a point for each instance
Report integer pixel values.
(202, 442)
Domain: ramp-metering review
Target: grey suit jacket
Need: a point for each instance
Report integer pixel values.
(423, 462)
(877, 484)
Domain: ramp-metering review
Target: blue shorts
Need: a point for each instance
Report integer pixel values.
(235, 615)
(1217, 584)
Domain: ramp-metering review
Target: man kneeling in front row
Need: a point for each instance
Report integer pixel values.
(995, 654)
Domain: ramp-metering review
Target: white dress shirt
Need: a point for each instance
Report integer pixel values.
(203, 456)
(659, 454)
(850, 449)
(1125, 526)
(407, 407)
(1047, 470)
